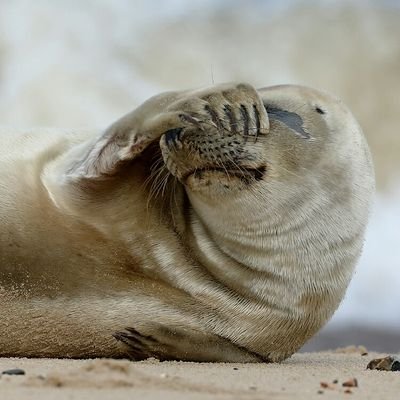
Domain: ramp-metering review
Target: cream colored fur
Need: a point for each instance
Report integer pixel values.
(203, 266)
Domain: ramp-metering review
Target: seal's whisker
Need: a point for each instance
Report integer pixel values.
(239, 168)
(154, 169)
(164, 184)
(154, 172)
(157, 181)
(226, 171)
(173, 200)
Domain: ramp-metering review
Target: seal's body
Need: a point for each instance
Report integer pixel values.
(212, 225)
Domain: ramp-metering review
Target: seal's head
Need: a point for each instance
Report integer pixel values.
(289, 141)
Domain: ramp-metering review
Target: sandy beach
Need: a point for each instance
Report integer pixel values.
(303, 376)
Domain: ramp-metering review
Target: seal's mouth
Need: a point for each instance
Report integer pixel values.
(243, 173)
(201, 159)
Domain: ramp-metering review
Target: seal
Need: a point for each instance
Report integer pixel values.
(218, 224)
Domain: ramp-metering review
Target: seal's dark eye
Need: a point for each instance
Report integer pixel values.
(319, 110)
(289, 118)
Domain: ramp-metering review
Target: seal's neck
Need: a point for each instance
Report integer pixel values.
(253, 229)
(241, 232)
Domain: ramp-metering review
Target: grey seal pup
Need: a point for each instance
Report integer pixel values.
(218, 224)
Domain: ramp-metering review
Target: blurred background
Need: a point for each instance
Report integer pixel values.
(84, 63)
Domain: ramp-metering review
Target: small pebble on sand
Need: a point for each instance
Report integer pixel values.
(350, 383)
(13, 371)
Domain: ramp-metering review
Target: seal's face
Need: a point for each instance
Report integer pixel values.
(267, 147)
(229, 146)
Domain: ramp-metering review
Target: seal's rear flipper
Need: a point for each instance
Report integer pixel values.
(181, 343)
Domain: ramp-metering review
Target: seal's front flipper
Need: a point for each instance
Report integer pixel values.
(228, 107)
(127, 138)
(165, 343)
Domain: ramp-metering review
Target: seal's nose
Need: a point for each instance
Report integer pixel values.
(172, 136)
